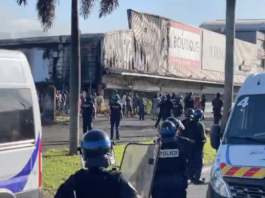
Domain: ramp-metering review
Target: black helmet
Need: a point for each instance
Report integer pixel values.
(167, 128)
(198, 114)
(96, 149)
(218, 95)
(115, 97)
(189, 113)
(177, 122)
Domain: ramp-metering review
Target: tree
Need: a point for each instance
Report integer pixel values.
(229, 59)
(46, 15)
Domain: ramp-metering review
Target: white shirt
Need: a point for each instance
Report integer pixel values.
(123, 101)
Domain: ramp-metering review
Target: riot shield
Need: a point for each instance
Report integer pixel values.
(138, 166)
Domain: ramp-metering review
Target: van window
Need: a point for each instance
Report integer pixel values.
(16, 115)
(248, 118)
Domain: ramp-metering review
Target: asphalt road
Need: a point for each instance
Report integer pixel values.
(131, 129)
(199, 191)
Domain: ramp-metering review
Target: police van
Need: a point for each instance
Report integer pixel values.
(20, 129)
(239, 166)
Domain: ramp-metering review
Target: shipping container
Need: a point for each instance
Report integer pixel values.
(213, 54)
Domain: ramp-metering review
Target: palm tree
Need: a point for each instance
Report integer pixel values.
(46, 14)
(229, 59)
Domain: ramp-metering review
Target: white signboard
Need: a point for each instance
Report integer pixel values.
(213, 54)
(185, 45)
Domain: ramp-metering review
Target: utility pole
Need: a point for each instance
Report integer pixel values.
(75, 71)
(229, 59)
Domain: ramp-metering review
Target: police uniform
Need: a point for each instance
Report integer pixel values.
(177, 108)
(96, 181)
(115, 118)
(165, 109)
(217, 104)
(189, 102)
(87, 114)
(195, 131)
(171, 172)
(200, 139)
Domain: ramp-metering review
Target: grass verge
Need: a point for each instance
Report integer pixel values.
(58, 165)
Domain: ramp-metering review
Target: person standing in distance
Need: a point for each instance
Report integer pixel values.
(96, 180)
(178, 106)
(189, 101)
(88, 111)
(217, 104)
(166, 108)
(115, 116)
(200, 140)
(171, 172)
(161, 103)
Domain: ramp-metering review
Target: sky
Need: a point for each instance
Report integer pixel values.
(23, 21)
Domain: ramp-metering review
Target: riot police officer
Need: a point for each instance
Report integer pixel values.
(200, 140)
(189, 101)
(95, 180)
(178, 123)
(217, 104)
(189, 133)
(171, 171)
(88, 111)
(115, 116)
(177, 107)
(166, 107)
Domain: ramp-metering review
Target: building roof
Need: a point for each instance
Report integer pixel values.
(241, 24)
(47, 39)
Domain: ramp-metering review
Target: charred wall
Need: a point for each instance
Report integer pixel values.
(151, 41)
(119, 50)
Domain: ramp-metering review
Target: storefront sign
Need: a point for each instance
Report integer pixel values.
(213, 51)
(185, 45)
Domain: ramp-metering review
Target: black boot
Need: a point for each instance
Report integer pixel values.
(199, 181)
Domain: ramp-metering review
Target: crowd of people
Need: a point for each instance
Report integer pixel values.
(62, 102)
(162, 108)
(180, 160)
(181, 152)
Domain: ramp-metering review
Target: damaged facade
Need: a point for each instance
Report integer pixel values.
(50, 58)
(155, 55)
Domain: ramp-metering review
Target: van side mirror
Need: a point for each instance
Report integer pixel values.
(215, 136)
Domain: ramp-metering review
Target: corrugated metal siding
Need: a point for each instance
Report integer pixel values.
(119, 50)
(241, 24)
(151, 41)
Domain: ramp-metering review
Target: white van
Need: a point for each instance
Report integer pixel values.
(20, 129)
(239, 166)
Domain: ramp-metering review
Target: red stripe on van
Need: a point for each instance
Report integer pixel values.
(40, 162)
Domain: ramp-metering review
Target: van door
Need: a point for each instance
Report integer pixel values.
(19, 144)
